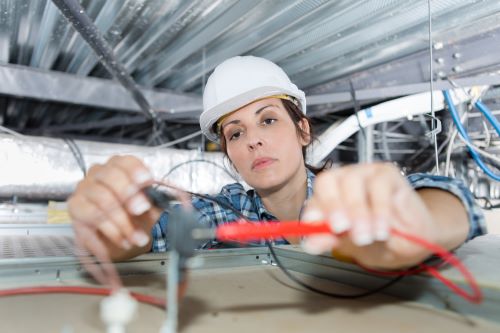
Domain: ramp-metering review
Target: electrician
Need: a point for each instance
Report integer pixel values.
(258, 116)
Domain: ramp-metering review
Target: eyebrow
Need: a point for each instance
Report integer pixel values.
(237, 121)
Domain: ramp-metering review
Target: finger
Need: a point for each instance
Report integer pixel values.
(134, 168)
(87, 239)
(381, 192)
(110, 231)
(84, 212)
(122, 190)
(352, 184)
(329, 201)
(316, 244)
(117, 181)
(108, 208)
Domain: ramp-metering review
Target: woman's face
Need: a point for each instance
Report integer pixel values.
(263, 144)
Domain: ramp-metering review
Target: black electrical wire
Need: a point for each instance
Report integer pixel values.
(288, 273)
(197, 161)
(323, 292)
(77, 154)
(81, 22)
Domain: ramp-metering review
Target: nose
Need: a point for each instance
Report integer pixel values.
(253, 143)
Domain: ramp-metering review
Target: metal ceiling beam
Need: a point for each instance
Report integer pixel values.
(401, 90)
(59, 87)
(92, 125)
(475, 38)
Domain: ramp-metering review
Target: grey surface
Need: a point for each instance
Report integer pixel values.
(244, 299)
(481, 256)
(23, 81)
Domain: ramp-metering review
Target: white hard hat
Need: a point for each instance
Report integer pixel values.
(239, 81)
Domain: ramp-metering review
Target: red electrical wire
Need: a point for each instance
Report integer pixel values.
(269, 230)
(146, 299)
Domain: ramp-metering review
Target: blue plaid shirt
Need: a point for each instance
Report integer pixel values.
(249, 203)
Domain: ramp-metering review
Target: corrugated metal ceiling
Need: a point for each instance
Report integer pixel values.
(174, 45)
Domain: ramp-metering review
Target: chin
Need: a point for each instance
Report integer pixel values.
(265, 179)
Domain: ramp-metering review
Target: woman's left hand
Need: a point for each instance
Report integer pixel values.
(362, 203)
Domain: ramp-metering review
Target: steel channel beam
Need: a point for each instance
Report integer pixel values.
(59, 87)
(400, 90)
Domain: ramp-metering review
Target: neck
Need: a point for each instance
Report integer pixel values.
(285, 202)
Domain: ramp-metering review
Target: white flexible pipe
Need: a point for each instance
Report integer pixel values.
(407, 106)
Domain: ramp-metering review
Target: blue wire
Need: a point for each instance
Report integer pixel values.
(463, 133)
(487, 113)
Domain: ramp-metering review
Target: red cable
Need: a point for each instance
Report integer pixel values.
(251, 231)
(475, 297)
(151, 300)
(270, 230)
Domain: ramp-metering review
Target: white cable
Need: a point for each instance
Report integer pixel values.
(448, 152)
(9, 131)
(184, 138)
(450, 146)
(479, 150)
(431, 78)
(479, 92)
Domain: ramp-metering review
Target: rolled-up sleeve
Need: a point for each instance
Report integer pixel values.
(477, 224)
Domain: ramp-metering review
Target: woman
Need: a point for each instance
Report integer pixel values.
(258, 116)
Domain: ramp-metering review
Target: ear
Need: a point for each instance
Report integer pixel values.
(305, 137)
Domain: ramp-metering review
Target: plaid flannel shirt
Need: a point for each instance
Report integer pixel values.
(249, 203)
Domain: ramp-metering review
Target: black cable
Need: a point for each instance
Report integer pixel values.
(195, 161)
(288, 273)
(77, 154)
(326, 293)
(81, 22)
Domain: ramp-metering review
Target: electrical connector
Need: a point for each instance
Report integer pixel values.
(117, 310)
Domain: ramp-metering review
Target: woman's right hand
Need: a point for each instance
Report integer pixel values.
(110, 211)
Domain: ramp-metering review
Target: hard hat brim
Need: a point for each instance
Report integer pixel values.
(211, 116)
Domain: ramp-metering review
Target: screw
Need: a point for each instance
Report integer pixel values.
(438, 45)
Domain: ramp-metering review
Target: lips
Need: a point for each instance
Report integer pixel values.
(261, 163)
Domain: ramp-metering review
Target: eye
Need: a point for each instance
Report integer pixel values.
(235, 135)
(269, 121)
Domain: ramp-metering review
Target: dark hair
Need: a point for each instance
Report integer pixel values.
(297, 116)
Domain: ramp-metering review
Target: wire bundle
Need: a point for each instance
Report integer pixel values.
(463, 133)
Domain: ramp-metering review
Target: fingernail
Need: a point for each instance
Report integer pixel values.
(318, 244)
(313, 215)
(381, 230)
(362, 239)
(139, 205)
(339, 222)
(131, 190)
(140, 238)
(126, 244)
(142, 177)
